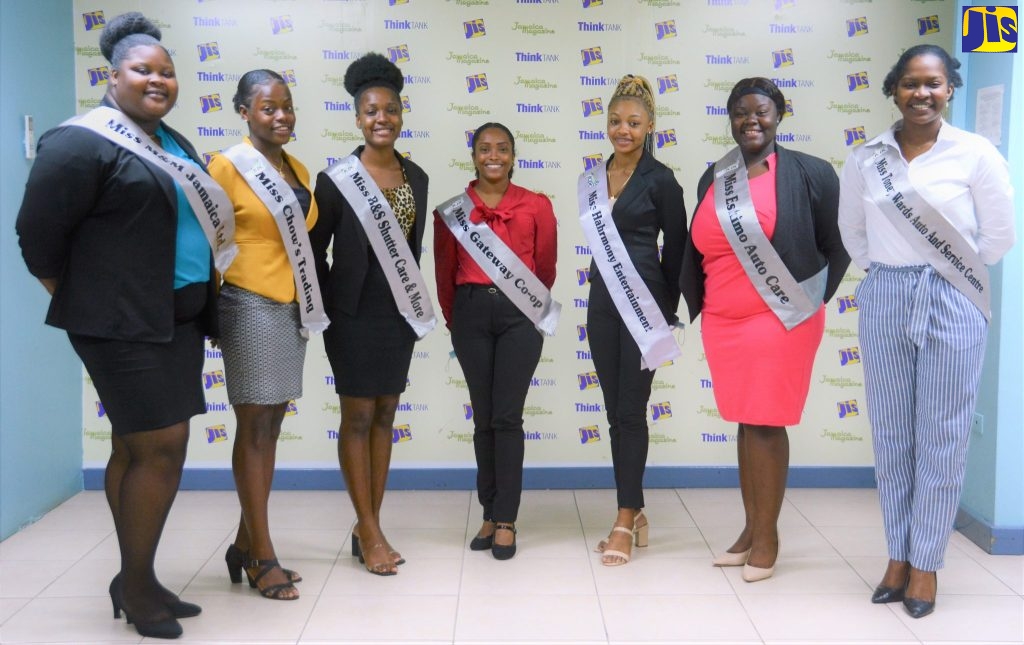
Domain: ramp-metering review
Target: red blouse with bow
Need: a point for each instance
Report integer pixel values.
(522, 219)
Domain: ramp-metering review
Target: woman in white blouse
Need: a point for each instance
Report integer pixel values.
(924, 207)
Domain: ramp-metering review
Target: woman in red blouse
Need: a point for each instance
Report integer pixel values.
(497, 346)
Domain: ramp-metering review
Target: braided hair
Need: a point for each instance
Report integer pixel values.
(638, 88)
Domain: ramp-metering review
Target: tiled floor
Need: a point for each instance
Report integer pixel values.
(54, 575)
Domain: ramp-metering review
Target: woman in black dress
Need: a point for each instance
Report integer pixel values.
(369, 343)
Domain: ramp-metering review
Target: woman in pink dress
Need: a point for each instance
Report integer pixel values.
(760, 283)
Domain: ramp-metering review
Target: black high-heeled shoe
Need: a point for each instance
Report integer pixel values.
(273, 592)
(166, 628)
(179, 608)
(918, 608)
(235, 558)
(885, 594)
(504, 551)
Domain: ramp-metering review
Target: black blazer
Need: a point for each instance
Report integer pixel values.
(806, 229)
(651, 203)
(103, 222)
(342, 283)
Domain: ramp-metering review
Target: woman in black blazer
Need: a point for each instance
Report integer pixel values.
(646, 201)
(369, 344)
(760, 367)
(98, 227)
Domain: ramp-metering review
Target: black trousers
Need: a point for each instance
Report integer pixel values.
(498, 348)
(626, 389)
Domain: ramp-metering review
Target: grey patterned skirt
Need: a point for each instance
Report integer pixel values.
(263, 349)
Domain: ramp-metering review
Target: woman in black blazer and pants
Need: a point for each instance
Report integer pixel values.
(98, 226)
(369, 344)
(645, 201)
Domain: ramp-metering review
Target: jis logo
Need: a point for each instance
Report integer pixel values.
(847, 408)
(666, 29)
(474, 28)
(592, 56)
(588, 381)
(665, 138)
(782, 58)
(855, 136)
(98, 76)
(857, 81)
(208, 156)
(592, 3)
(216, 434)
(406, 105)
(467, 411)
(401, 434)
(668, 84)
(398, 54)
(210, 103)
(591, 161)
(291, 409)
(661, 411)
(789, 109)
(469, 138)
(476, 83)
(213, 379)
(208, 51)
(581, 332)
(281, 25)
(592, 107)
(289, 77)
(100, 410)
(847, 304)
(856, 26)
(990, 29)
(927, 25)
(589, 434)
(849, 356)
(94, 20)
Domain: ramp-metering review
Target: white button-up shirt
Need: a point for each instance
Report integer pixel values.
(962, 176)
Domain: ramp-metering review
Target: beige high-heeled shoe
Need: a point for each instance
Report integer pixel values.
(641, 533)
(730, 559)
(639, 536)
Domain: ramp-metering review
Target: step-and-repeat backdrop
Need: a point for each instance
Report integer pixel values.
(546, 69)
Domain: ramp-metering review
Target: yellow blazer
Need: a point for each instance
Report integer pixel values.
(262, 265)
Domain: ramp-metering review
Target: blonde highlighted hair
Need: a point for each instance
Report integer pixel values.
(635, 87)
(632, 86)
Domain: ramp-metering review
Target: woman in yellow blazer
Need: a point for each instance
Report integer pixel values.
(264, 307)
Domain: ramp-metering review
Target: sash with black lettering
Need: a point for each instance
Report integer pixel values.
(273, 190)
(387, 241)
(791, 301)
(924, 227)
(633, 300)
(209, 201)
(501, 264)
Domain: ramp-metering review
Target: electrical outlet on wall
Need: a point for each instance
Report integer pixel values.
(978, 424)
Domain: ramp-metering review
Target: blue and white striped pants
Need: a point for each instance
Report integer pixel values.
(922, 343)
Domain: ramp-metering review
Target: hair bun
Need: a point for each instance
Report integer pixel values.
(373, 69)
(122, 26)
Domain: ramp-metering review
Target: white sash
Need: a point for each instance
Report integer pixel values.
(791, 301)
(273, 190)
(921, 225)
(387, 241)
(501, 264)
(633, 300)
(209, 201)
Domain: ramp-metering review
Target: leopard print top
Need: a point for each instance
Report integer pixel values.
(402, 202)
